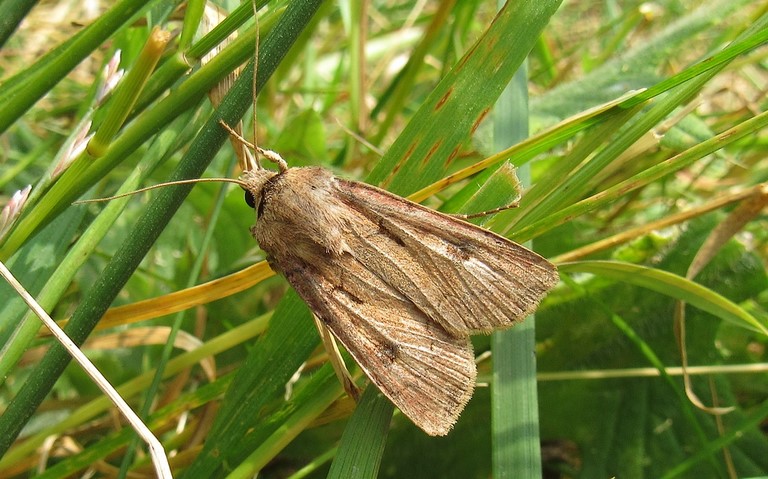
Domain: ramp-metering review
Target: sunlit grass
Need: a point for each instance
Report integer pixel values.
(669, 176)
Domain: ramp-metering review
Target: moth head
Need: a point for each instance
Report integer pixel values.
(253, 182)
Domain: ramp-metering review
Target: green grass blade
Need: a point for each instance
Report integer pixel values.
(362, 444)
(671, 285)
(12, 13)
(148, 228)
(514, 399)
(22, 91)
(424, 150)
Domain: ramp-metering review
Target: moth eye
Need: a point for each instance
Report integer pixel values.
(249, 199)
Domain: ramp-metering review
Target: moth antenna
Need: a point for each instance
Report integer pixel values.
(255, 71)
(359, 138)
(270, 155)
(160, 185)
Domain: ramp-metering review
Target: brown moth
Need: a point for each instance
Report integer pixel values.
(399, 285)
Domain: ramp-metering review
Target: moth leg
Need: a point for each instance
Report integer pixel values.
(514, 204)
(272, 156)
(247, 161)
(337, 362)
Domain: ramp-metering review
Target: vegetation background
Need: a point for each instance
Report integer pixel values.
(642, 154)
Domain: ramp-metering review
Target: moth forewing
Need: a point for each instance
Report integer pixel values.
(401, 286)
(468, 279)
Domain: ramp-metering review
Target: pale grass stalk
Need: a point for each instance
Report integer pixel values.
(159, 459)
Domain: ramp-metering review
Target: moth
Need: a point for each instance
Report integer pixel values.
(401, 286)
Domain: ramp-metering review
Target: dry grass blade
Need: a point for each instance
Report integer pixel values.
(162, 468)
(750, 207)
